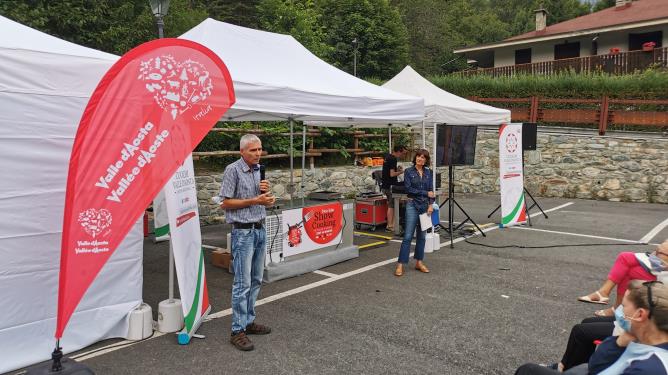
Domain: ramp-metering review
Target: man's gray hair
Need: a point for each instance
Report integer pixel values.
(248, 139)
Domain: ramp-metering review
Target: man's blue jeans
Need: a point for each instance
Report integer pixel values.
(248, 262)
(412, 223)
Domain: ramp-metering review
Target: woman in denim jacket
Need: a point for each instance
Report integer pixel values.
(419, 187)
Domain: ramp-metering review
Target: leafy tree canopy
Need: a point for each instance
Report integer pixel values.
(389, 33)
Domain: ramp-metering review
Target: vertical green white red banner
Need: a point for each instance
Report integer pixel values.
(513, 208)
(186, 238)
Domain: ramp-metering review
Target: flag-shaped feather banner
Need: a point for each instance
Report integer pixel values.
(144, 118)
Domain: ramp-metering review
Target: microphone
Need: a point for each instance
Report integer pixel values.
(262, 176)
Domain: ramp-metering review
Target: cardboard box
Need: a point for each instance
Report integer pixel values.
(221, 258)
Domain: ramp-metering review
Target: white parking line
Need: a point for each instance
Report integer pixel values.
(648, 237)
(578, 235)
(552, 209)
(127, 343)
(323, 273)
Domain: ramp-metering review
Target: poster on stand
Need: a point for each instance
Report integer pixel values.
(311, 228)
(513, 209)
(186, 237)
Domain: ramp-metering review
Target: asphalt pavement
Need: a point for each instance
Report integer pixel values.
(488, 305)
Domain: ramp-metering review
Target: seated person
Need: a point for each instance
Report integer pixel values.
(581, 342)
(629, 266)
(579, 348)
(641, 348)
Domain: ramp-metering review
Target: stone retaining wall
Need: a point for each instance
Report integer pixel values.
(565, 165)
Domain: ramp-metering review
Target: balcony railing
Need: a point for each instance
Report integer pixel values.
(618, 63)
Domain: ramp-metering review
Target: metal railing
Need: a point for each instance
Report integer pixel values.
(614, 63)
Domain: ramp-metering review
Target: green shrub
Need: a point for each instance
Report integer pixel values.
(650, 84)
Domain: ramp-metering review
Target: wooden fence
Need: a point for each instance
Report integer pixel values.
(596, 112)
(311, 151)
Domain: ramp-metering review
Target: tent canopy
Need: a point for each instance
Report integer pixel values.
(44, 87)
(277, 78)
(444, 107)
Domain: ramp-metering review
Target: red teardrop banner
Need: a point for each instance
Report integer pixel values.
(146, 115)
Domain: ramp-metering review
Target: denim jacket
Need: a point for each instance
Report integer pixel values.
(417, 187)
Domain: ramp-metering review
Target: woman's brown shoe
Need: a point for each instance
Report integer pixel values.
(421, 267)
(399, 270)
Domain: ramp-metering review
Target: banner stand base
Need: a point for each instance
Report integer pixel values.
(184, 336)
(170, 316)
(70, 367)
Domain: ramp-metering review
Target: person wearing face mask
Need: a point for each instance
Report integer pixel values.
(629, 266)
(643, 346)
(419, 186)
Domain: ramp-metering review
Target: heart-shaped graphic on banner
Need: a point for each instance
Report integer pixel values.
(323, 223)
(175, 85)
(94, 221)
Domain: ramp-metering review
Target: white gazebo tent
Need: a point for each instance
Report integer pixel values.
(442, 107)
(276, 78)
(44, 87)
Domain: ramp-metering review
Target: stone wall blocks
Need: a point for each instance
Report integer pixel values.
(203, 179)
(631, 166)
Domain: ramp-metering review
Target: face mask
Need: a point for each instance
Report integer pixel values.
(621, 320)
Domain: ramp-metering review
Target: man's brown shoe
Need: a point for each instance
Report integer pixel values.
(399, 270)
(257, 329)
(421, 267)
(241, 341)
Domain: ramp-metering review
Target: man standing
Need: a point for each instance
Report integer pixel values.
(390, 173)
(244, 198)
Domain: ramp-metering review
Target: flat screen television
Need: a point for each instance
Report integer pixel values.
(455, 145)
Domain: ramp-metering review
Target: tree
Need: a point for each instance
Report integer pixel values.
(242, 13)
(437, 27)
(603, 4)
(428, 33)
(298, 18)
(382, 38)
(519, 14)
(113, 26)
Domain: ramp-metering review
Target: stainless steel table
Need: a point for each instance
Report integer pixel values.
(397, 197)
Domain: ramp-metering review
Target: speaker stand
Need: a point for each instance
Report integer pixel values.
(451, 208)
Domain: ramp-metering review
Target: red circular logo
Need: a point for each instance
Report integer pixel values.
(511, 142)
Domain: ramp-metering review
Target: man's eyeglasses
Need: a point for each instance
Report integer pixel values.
(650, 301)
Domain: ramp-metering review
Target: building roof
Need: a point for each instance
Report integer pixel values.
(637, 13)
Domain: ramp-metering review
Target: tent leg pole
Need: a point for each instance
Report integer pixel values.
(433, 160)
(301, 189)
(389, 136)
(291, 188)
(171, 272)
(424, 136)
